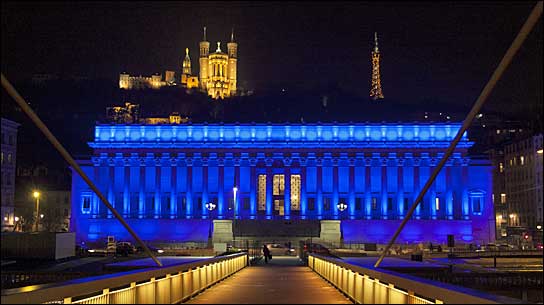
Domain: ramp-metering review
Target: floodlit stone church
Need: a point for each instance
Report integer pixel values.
(217, 73)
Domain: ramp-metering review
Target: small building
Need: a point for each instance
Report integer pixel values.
(9, 157)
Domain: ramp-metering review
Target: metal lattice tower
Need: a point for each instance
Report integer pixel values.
(376, 87)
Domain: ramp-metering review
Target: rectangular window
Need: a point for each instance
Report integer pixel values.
(231, 204)
(437, 203)
(118, 204)
(476, 204)
(295, 192)
(358, 203)
(406, 204)
(245, 202)
(86, 202)
(165, 201)
(390, 204)
(262, 192)
(501, 167)
(503, 198)
(183, 202)
(197, 206)
(134, 204)
(374, 203)
(522, 160)
(150, 203)
(311, 204)
(279, 185)
(326, 203)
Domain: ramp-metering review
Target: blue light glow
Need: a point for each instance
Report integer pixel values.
(152, 197)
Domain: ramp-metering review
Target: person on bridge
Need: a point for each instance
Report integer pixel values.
(266, 253)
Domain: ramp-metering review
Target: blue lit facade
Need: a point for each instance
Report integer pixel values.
(159, 177)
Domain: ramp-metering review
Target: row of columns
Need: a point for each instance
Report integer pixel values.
(455, 186)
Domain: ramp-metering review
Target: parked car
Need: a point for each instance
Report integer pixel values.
(317, 249)
(155, 250)
(99, 252)
(281, 249)
(125, 248)
(506, 247)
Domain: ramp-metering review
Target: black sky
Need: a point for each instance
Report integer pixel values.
(442, 51)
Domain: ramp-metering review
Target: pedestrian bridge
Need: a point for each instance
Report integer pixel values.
(231, 279)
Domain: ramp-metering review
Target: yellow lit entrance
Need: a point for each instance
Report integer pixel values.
(278, 194)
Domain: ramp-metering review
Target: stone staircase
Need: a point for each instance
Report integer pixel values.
(277, 228)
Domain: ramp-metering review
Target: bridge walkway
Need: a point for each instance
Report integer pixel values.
(284, 280)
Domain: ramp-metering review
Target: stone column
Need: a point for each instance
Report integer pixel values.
(417, 187)
(400, 188)
(384, 201)
(237, 184)
(95, 210)
(111, 183)
(220, 188)
(173, 188)
(464, 177)
(432, 189)
(141, 201)
(351, 188)
(303, 199)
(188, 188)
(335, 196)
(158, 171)
(205, 200)
(319, 193)
(449, 190)
(126, 187)
(287, 190)
(368, 191)
(253, 188)
(269, 185)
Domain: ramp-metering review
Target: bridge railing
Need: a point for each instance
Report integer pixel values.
(170, 284)
(369, 285)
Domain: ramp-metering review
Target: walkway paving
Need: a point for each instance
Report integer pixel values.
(285, 280)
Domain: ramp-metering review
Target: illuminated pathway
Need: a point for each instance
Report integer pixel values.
(285, 280)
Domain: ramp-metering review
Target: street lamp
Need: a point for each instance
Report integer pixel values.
(36, 195)
(341, 207)
(234, 190)
(16, 223)
(210, 206)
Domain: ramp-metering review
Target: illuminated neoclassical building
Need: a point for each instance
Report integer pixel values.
(160, 177)
(217, 73)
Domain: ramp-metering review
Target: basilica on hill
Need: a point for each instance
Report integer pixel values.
(217, 72)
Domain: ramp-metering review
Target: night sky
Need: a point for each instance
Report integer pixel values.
(442, 51)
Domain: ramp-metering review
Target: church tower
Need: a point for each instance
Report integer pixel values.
(186, 67)
(187, 63)
(204, 62)
(376, 87)
(233, 58)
